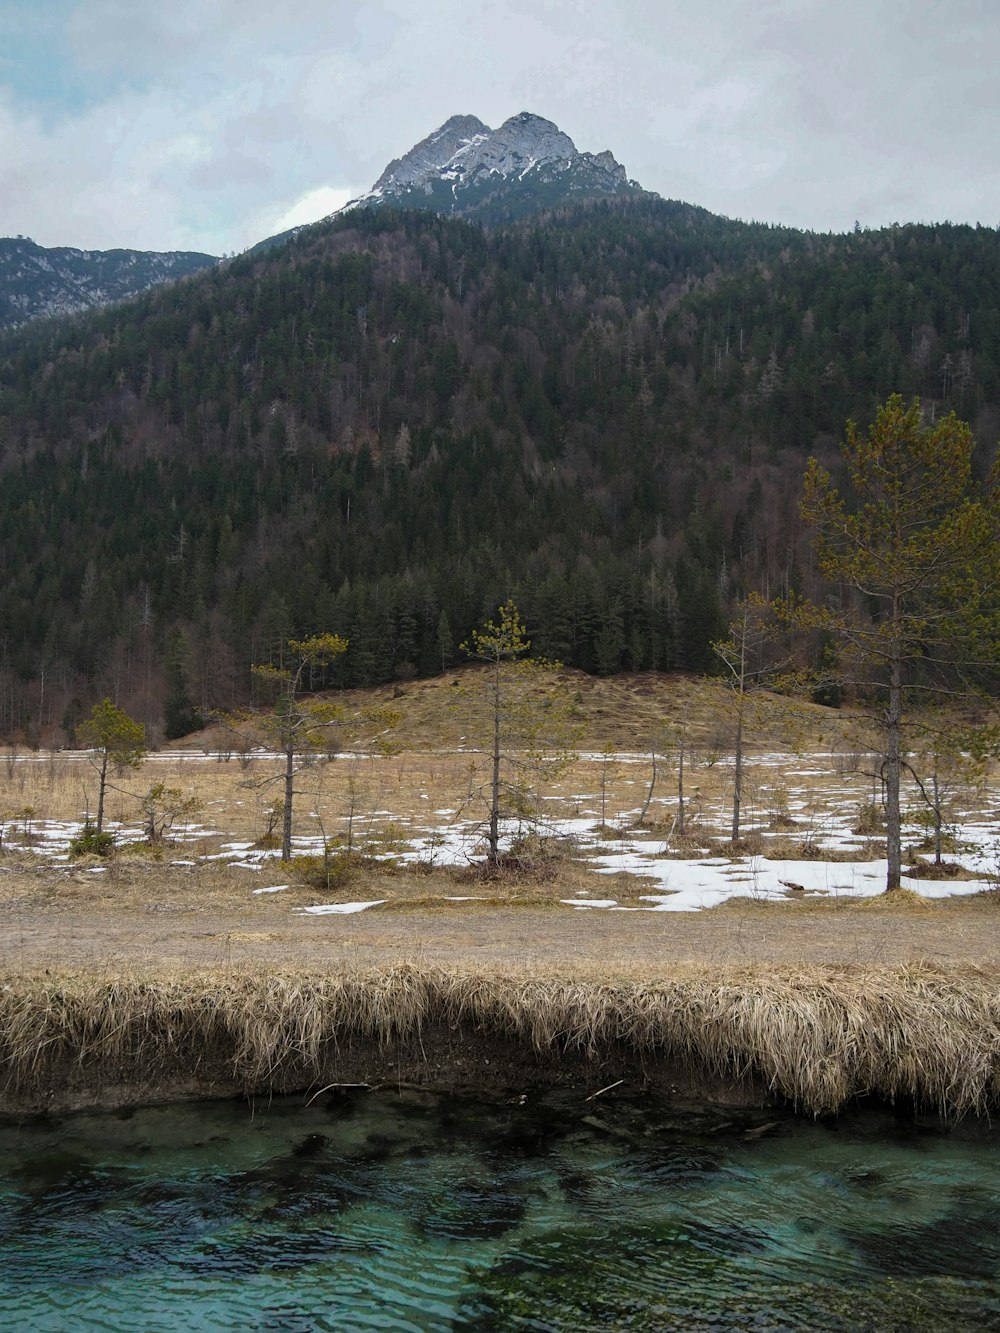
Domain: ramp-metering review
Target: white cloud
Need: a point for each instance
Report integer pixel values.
(189, 125)
(312, 207)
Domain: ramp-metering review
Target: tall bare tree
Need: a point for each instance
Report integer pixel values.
(298, 724)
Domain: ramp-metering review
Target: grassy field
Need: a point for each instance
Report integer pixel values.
(412, 823)
(810, 791)
(587, 899)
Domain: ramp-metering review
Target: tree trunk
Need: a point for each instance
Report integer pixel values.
(495, 782)
(649, 793)
(286, 826)
(737, 780)
(679, 825)
(352, 792)
(100, 791)
(893, 764)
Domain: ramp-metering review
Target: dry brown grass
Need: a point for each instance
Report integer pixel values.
(622, 711)
(933, 870)
(816, 1036)
(363, 798)
(816, 1033)
(132, 883)
(813, 904)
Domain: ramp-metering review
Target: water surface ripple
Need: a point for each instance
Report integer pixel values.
(404, 1210)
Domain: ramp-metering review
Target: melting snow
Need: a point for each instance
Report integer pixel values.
(670, 885)
(326, 909)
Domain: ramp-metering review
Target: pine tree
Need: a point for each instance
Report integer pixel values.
(919, 556)
(297, 724)
(524, 714)
(445, 641)
(118, 742)
(179, 715)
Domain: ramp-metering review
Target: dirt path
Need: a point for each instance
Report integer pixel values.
(549, 940)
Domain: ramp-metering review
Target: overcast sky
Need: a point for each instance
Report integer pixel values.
(210, 124)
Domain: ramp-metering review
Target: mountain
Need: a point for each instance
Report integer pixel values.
(398, 419)
(36, 282)
(465, 169)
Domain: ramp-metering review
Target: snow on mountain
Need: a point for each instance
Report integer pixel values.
(465, 167)
(434, 155)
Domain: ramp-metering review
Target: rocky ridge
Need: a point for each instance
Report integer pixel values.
(37, 282)
(465, 168)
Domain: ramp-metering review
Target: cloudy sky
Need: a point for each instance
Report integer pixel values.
(209, 124)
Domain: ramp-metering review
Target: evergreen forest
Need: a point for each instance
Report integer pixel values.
(392, 422)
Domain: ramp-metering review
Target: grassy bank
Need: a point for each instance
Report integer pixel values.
(813, 1036)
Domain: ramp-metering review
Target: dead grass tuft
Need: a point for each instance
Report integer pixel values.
(816, 1036)
(898, 900)
(944, 870)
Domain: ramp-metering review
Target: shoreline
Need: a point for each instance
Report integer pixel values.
(811, 1037)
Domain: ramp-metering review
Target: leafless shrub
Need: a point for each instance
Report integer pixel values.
(870, 819)
(846, 762)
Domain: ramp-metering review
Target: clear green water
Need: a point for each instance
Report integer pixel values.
(409, 1211)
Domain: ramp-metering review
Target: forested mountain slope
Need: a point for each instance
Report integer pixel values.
(394, 421)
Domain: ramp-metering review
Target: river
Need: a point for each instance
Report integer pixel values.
(403, 1209)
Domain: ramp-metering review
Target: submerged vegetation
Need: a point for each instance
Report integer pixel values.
(815, 1037)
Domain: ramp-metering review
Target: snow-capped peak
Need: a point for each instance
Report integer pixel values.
(431, 156)
(464, 163)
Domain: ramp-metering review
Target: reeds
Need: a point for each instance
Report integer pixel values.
(816, 1037)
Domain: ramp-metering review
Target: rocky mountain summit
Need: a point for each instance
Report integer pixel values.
(465, 168)
(36, 282)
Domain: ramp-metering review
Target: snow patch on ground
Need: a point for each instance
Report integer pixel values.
(341, 909)
(667, 883)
